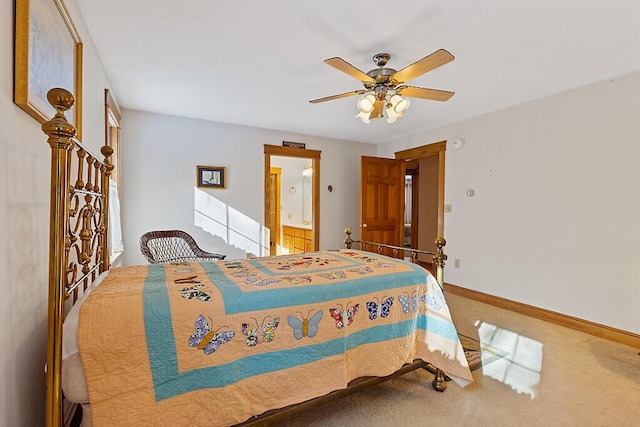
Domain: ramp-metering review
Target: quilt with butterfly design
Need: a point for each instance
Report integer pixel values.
(215, 343)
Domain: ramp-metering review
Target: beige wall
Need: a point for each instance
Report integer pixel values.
(554, 221)
(159, 156)
(24, 226)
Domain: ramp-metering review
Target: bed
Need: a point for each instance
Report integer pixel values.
(230, 342)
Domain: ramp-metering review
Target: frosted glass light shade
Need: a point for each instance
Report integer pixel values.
(365, 103)
(392, 116)
(364, 117)
(402, 106)
(399, 104)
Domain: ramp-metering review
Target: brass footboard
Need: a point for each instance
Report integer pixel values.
(439, 258)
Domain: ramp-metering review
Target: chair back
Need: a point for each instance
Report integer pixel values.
(173, 246)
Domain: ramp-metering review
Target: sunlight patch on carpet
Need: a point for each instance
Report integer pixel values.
(521, 368)
(479, 354)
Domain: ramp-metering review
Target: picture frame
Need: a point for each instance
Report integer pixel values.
(48, 54)
(211, 177)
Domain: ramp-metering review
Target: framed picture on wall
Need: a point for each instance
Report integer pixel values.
(48, 54)
(211, 177)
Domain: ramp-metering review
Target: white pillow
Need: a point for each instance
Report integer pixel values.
(70, 326)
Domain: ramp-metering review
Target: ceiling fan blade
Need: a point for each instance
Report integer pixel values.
(421, 92)
(428, 63)
(345, 67)
(342, 95)
(378, 106)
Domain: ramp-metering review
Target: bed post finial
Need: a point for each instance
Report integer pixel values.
(348, 241)
(105, 244)
(58, 128)
(439, 259)
(60, 132)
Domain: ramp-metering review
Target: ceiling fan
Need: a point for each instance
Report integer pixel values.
(384, 87)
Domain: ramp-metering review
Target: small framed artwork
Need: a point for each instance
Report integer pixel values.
(48, 54)
(211, 177)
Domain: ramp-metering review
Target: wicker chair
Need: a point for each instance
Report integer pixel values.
(173, 246)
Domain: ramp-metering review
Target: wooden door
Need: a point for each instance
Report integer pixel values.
(382, 200)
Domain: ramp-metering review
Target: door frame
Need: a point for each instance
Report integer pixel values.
(434, 149)
(314, 156)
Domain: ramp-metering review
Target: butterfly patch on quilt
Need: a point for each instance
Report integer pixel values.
(244, 272)
(257, 281)
(305, 326)
(195, 292)
(382, 264)
(298, 279)
(207, 340)
(409, 303)
(434, 298)
(344, 316)
(257, 334)
(361, 270)
(189, 279)
(233, 264)
(381, 309)
(333, 275)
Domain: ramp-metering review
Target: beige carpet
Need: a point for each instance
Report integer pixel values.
(552, 376)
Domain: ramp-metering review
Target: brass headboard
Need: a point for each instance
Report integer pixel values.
(78, 237)
(438, 258)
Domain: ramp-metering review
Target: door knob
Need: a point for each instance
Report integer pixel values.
(364, 225)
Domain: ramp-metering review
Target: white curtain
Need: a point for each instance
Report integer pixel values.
(115, 228)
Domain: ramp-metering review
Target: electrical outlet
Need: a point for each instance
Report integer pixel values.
(456, 263)
(447, 208)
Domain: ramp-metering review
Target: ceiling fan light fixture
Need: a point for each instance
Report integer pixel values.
(383, 86)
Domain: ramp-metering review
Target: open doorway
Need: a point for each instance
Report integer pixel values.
(292, 199)
(424, 195)
(411, 197)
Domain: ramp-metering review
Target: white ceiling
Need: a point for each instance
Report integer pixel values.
(259, 62)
